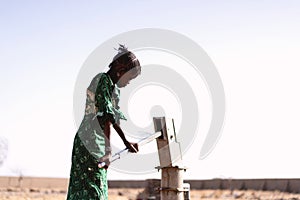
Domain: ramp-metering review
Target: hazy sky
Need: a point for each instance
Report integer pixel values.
(255, 46)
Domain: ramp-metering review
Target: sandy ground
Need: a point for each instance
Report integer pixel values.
(132, 194)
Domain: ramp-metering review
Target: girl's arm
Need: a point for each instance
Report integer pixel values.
(107, 134)
(106, 157)
(132, 147)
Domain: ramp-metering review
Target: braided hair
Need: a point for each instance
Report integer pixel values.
(126, 60)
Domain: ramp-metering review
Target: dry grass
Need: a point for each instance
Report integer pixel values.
(131, 194)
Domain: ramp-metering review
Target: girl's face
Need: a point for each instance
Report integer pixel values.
(125, 78)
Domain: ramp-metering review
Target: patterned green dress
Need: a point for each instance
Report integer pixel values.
(87, 181)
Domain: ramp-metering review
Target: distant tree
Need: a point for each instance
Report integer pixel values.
(19, 172)
(20, 179)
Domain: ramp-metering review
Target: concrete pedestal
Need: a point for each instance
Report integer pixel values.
(172, 183)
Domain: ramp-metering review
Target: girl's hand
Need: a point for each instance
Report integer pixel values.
(132, 147)
(105, 159)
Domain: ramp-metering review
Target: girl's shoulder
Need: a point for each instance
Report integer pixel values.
(100, 80)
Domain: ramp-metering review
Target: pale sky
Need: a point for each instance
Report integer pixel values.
(255, 46)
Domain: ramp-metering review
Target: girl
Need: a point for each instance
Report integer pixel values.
(92, 141)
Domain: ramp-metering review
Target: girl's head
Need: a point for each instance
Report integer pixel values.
(124, 67)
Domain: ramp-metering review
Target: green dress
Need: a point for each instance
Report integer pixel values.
(87, 181)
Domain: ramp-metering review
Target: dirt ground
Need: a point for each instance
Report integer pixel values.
(132, 194)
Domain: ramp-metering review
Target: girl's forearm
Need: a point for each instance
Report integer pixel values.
(107, 133)
(121, 133)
